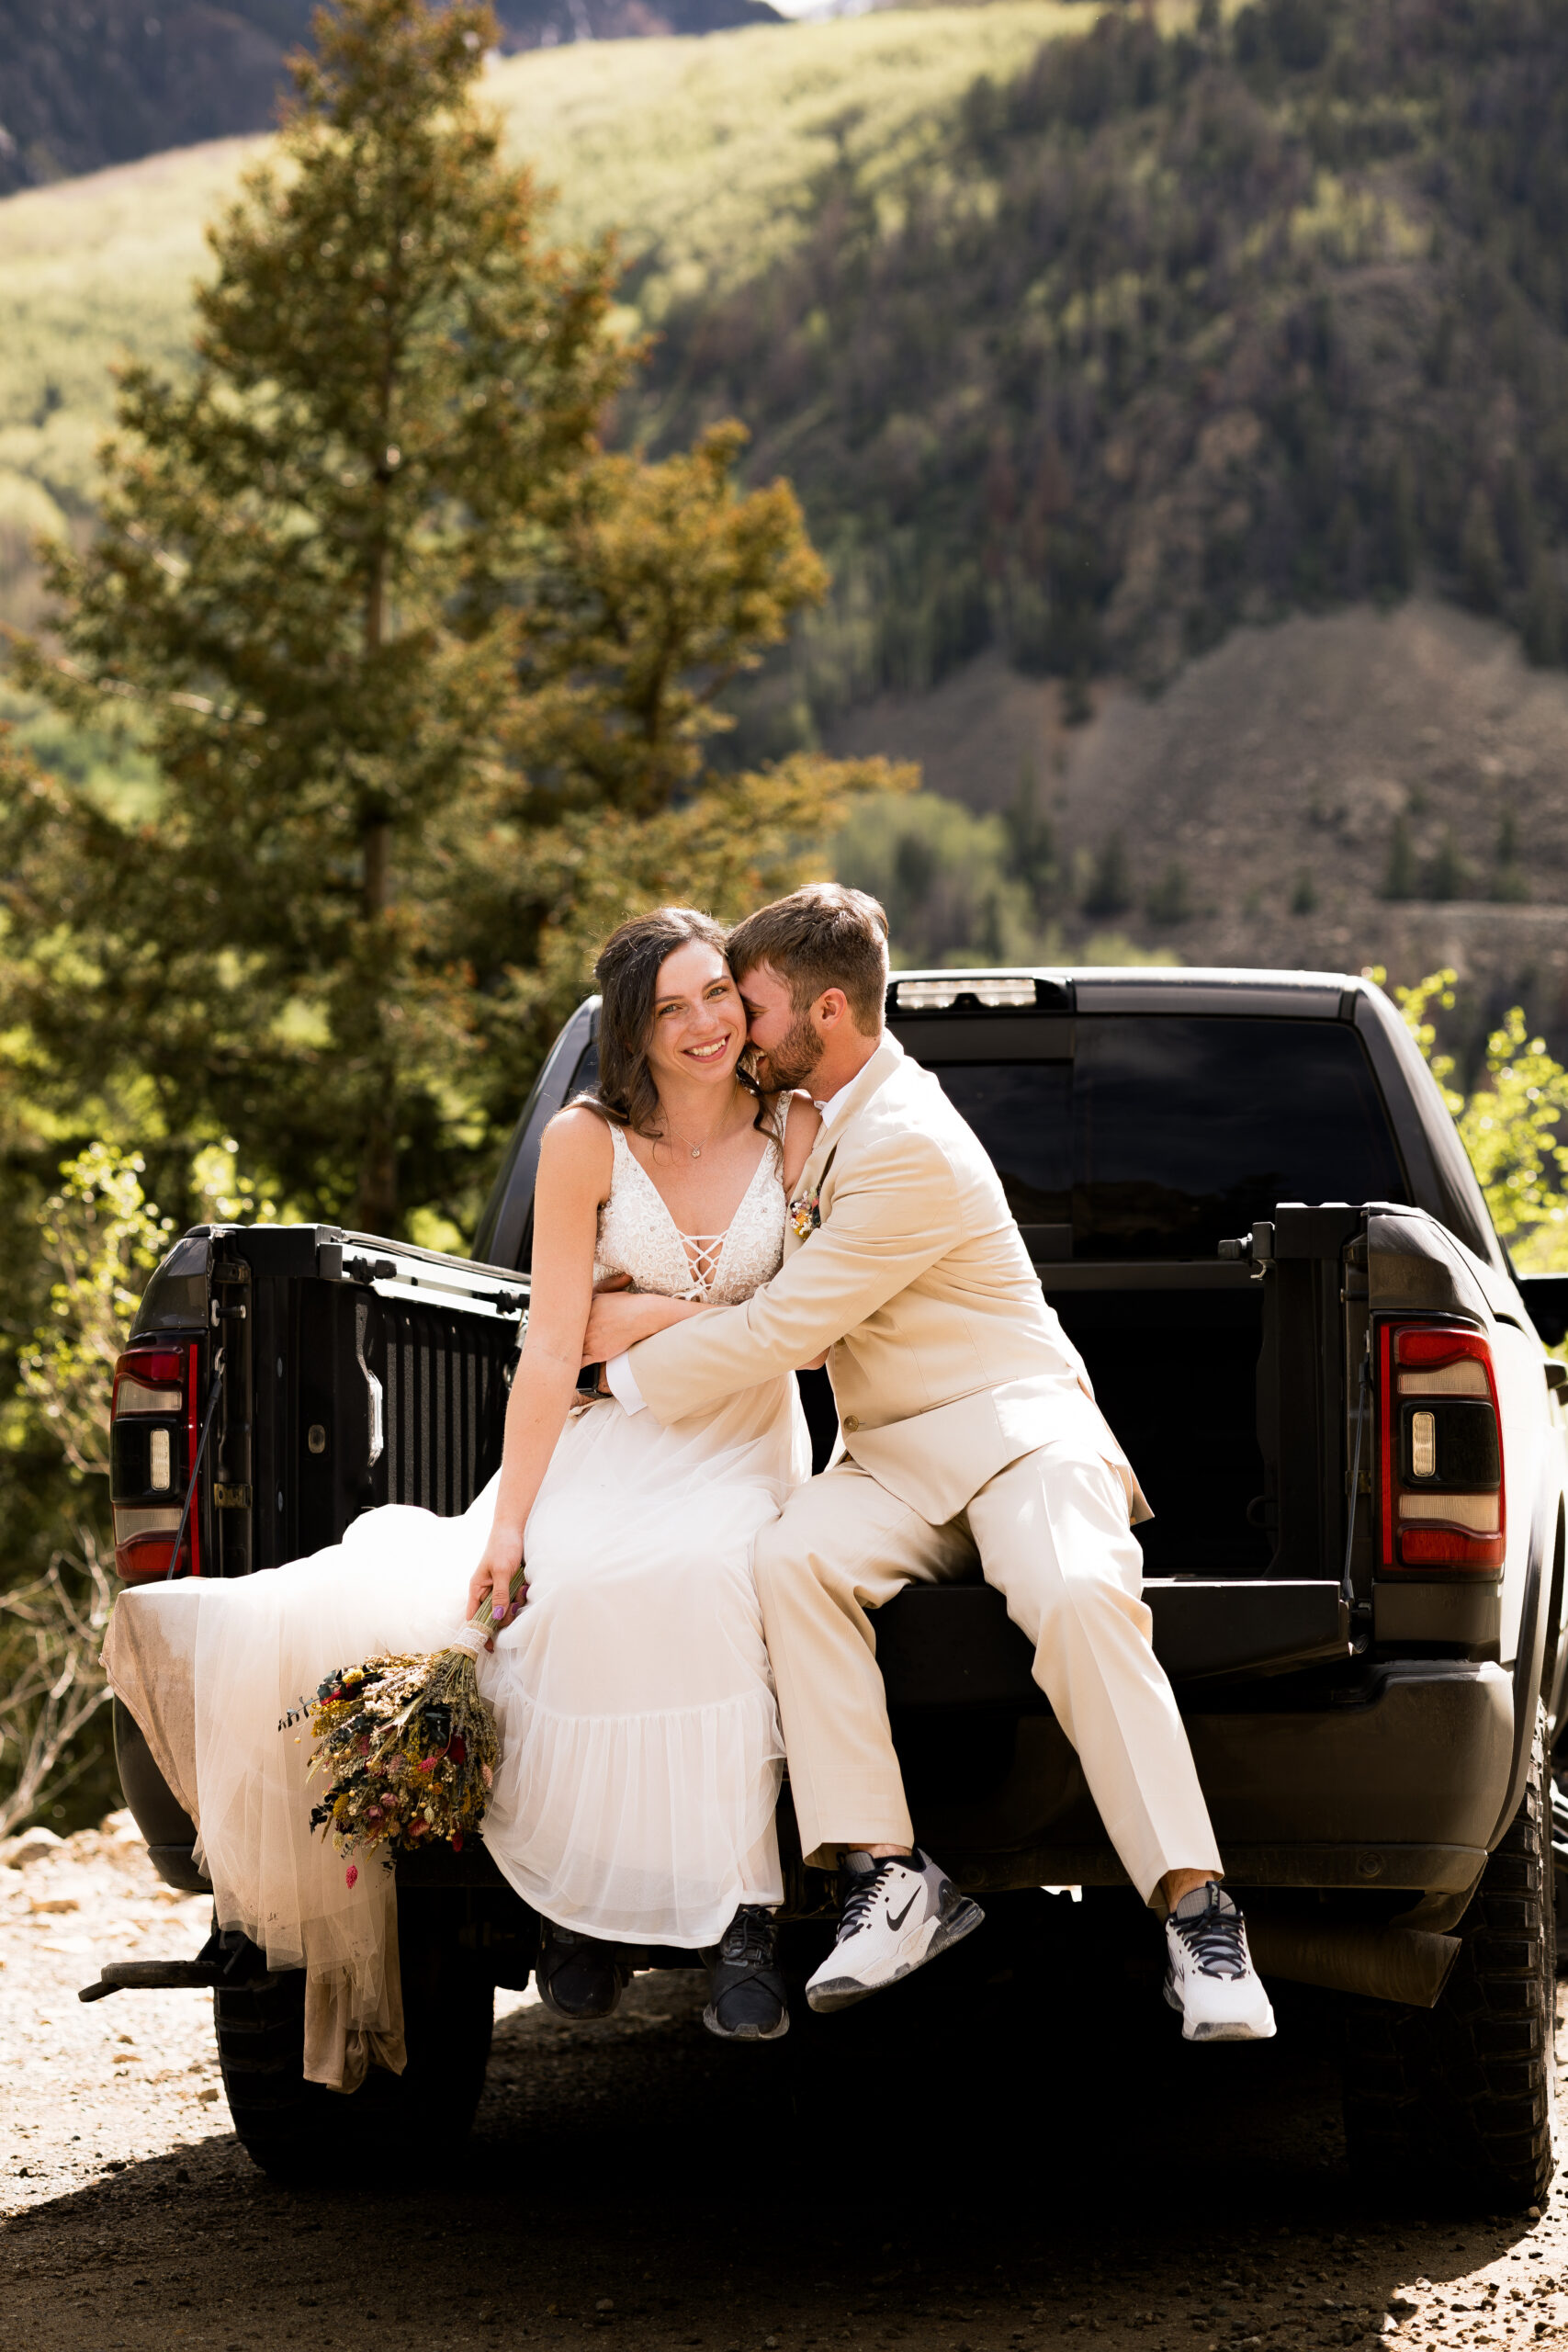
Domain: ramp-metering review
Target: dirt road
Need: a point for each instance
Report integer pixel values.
(957, 2169)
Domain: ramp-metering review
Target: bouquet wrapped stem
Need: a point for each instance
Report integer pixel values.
(406, 1749)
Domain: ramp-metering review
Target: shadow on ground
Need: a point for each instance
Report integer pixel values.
(974, 2161)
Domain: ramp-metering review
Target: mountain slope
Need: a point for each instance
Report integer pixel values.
(1088, 347)
(703, 156)
(84, 84)
(1258, 803)
(1174, 331)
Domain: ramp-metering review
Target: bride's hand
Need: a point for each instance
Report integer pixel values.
(619, 1319)
(492, 1581)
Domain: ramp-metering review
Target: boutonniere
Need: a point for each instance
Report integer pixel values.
(805, 1212)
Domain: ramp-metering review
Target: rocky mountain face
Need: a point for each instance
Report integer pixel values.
(1350, 789)
(87, 82)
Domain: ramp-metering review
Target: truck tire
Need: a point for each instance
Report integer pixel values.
(1458, 2097)
(300, 2131)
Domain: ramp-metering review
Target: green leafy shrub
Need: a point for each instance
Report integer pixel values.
(98, 1238)
(1510, 1122)
(962, 889)
(943, 875)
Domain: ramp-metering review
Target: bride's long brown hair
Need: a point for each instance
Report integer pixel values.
(627, 976)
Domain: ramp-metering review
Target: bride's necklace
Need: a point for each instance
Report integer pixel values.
(694, 1150)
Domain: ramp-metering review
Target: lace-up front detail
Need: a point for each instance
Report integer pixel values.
(751, 1937)
(703, 1251)
(1214, 1936)
(861, 1906)
(638, 1236)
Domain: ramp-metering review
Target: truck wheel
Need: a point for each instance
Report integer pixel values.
(1459, 2096)
(300, 2131)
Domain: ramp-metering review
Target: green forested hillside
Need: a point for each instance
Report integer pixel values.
(1178, 329)
(703, 156)
(1080, 339)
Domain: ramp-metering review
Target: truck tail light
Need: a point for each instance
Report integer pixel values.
(153, 1441)
(1440, 1468)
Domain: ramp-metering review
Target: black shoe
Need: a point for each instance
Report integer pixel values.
(748, 2001)
(578, 1977)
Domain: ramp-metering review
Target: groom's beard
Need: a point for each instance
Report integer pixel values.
(792, 1059)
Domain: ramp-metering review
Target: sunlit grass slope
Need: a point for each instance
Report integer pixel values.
(701, 153)
(88, 268)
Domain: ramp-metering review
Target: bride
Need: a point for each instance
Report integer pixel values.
(640, 1754)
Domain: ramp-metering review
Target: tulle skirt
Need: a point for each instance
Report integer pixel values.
(640, 1750)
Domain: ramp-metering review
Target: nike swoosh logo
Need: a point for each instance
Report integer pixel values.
(896, 1923)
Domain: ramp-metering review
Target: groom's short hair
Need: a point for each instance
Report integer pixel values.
(824, 937)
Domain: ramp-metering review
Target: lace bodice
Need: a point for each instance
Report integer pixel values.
(637, 1236)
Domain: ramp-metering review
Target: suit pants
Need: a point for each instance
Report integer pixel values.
(1051, 1533)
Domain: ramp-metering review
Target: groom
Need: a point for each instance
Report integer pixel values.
(970, 1437)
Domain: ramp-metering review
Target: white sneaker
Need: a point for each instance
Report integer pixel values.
(896, 1916)
(1209, 1973)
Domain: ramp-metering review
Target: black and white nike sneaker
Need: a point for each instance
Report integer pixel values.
(1209, 1973)
(747, 2000)
(897, 1915)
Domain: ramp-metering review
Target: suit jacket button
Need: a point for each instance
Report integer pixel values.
(850, 1424)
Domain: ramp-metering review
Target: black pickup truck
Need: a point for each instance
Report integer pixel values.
(1249, 1204)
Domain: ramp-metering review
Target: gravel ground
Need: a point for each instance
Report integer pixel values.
(973, 2165)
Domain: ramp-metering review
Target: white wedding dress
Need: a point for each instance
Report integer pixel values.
(641, 1754)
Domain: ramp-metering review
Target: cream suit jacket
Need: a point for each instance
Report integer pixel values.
(946, 1361)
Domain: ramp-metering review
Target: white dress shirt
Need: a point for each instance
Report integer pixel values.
(619, 1376)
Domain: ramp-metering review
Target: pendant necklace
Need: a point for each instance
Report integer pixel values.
(695, 1149)
(674, 1143)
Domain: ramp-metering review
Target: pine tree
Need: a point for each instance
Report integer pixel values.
(1447, 876)
(1509, 883)
(1031, 840)
(302, 550)
(1402, 535)
(1399, 878)
(1110, 890)
(1481, 552)
(379, 609)
(1545, 634)
(1519, 523)
(1170, 900)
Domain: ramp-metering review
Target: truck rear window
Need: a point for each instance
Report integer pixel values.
(1162, 1134)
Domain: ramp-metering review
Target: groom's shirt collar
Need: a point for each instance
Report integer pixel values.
(835, 1103)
